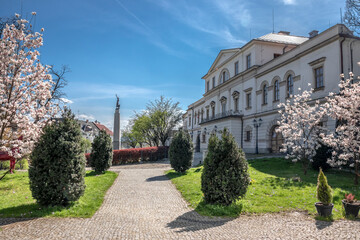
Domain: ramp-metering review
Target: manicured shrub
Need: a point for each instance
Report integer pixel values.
(323, 153)
(181, 152)
(101, 153)
(225, 176)
(323, 190)
(57, 167)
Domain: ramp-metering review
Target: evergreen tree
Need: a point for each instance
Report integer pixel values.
(181, 152)
(57, 168)
(101, 155)
(225, 176)
(323, 191)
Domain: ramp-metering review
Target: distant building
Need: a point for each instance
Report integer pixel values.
(90, 130)
(244, 86)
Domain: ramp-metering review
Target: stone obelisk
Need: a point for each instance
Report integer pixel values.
(116, 140)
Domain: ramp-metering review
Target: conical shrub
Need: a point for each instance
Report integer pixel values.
(101, 154)
(181, 152)
(225, 176)
(57, 168)
(323, 190)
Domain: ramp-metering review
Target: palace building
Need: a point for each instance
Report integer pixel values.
(244, 86)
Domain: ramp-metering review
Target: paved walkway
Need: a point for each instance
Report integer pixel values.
(143, 204)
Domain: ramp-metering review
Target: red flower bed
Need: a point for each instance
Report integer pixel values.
(135, 155)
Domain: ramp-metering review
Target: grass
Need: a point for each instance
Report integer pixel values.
(272, 189)
(16, 199)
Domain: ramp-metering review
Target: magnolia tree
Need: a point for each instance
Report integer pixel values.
(300, 127)
(345, 107)
(25, 88)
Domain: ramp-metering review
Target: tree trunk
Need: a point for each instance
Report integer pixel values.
(356, 181)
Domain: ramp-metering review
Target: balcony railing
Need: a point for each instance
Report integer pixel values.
(221, 115)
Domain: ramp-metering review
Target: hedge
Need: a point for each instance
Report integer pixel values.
(135, 155)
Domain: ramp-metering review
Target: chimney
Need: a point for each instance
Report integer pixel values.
(283, 33)
(313, 33)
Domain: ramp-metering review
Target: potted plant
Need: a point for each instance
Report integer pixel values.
(351, 205)
(324, 195)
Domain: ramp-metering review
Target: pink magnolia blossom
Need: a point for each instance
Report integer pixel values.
(300, 126)
(345, 107)
(25, 90)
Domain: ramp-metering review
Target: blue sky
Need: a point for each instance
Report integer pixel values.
(141, 49)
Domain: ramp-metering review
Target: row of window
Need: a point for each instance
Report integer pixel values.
(225, 75)
(319, 83)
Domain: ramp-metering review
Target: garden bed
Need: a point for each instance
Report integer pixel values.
(16, 199)
(275, 187)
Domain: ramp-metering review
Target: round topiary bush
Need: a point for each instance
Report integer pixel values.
(101, 154)
(181, 152)
(57, 167)
(225, 176)
(323, 190)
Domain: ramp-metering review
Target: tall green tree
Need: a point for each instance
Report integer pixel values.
(225, 176)
(101, 154)
(57, 168)
(181, 152)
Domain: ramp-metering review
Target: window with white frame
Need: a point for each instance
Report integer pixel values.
(248, 61)
(265, 94)
(248, 100)
(319, 77)
(290, 85)
(236, 67)
(276, 91)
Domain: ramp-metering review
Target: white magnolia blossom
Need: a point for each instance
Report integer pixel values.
(345, 107)
(25, 90)
(300, 126)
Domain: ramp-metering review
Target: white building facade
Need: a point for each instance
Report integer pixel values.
(244, 86)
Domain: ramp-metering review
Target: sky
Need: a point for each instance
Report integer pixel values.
(142, 49)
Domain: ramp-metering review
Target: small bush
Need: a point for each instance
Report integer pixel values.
(323, 190)
(57, 167)
(101, 153)
(323, 153)
(181, 152)
(225, 176)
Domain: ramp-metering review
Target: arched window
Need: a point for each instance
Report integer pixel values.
(265, 94)
(224, 76)
(276, 90)
(223, 104)
(290, 85)
(212, 104)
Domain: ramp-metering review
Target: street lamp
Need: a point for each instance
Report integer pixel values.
(257, 124)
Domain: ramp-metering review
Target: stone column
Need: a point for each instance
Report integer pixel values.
(116, 139)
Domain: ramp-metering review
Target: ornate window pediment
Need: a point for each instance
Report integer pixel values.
(235, 94)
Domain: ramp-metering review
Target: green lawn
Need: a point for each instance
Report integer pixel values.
(272, 189)
(16, 199)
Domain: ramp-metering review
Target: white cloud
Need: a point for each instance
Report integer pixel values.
(289, 2)
(86, 117)
(227, 13)
(108, 91)
(65, 100)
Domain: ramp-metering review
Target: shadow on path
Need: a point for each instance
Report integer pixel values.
(192, 221)
(157, 178)
(322, 224)
(8, 221)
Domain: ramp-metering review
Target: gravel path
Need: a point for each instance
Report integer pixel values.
(143, 204)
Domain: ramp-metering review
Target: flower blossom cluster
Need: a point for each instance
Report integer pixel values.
(300, 126)
(345, 107)
(25, 89)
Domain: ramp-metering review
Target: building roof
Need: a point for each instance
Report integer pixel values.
(103, 127)
(282, 38)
